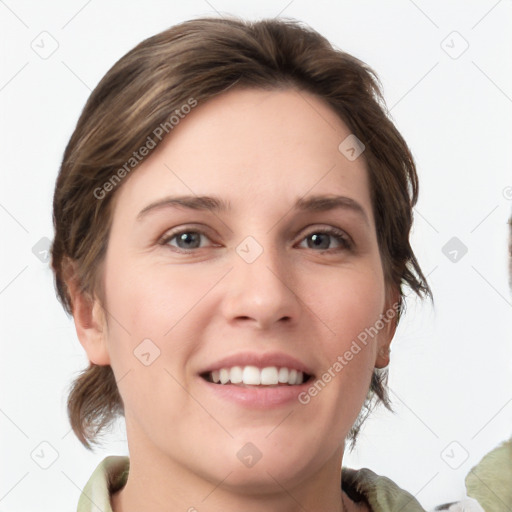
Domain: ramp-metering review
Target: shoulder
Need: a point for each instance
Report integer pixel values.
(489, 481)
(379, 492)
(109, 476)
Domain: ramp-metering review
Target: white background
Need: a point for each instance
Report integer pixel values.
(450, 375)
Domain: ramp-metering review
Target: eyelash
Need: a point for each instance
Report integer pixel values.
(344, 240)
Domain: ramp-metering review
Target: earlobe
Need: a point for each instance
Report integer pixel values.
(390, 320)
(382, 357)
(90, 323)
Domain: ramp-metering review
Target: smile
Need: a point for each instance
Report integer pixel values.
(254, 376)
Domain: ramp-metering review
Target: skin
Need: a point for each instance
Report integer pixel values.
(261, 151)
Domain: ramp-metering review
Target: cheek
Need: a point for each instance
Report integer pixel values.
(350, 309)
(146, 311)
(352, 303)
(158, 303)
(151, 300)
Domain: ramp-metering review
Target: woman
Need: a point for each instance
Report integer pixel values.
(232, 221)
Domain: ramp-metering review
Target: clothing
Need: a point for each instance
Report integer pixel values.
(490, 481)
(379, 492)
(488, 484)
(108, 477)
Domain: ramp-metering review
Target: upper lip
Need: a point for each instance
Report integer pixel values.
(260, 360)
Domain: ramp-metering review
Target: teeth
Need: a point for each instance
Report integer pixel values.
(236, 375)
(224, 376)
(282, 376)
(254, 376)
(269, 376)
(251, 375)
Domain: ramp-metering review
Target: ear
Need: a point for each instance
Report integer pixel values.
(390, 321)
(90, 323)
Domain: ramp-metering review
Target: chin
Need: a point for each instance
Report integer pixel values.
(262, 478)
(262, 467)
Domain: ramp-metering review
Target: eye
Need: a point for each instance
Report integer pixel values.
(186, 239)
(322, 238)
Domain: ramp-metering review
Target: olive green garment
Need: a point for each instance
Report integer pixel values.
(379, 492)
(490, 481)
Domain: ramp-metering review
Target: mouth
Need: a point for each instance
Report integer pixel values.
(253, 376)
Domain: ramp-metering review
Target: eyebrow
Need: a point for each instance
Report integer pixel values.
(316, 203)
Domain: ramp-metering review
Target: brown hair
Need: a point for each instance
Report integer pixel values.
(197, 60)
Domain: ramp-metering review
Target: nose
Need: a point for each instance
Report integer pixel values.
(261, 292)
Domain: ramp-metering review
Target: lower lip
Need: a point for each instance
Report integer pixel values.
(262, 397)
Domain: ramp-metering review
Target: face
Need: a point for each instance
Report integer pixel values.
(266, 281)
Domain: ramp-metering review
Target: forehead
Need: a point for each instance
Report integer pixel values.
(251, 146)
